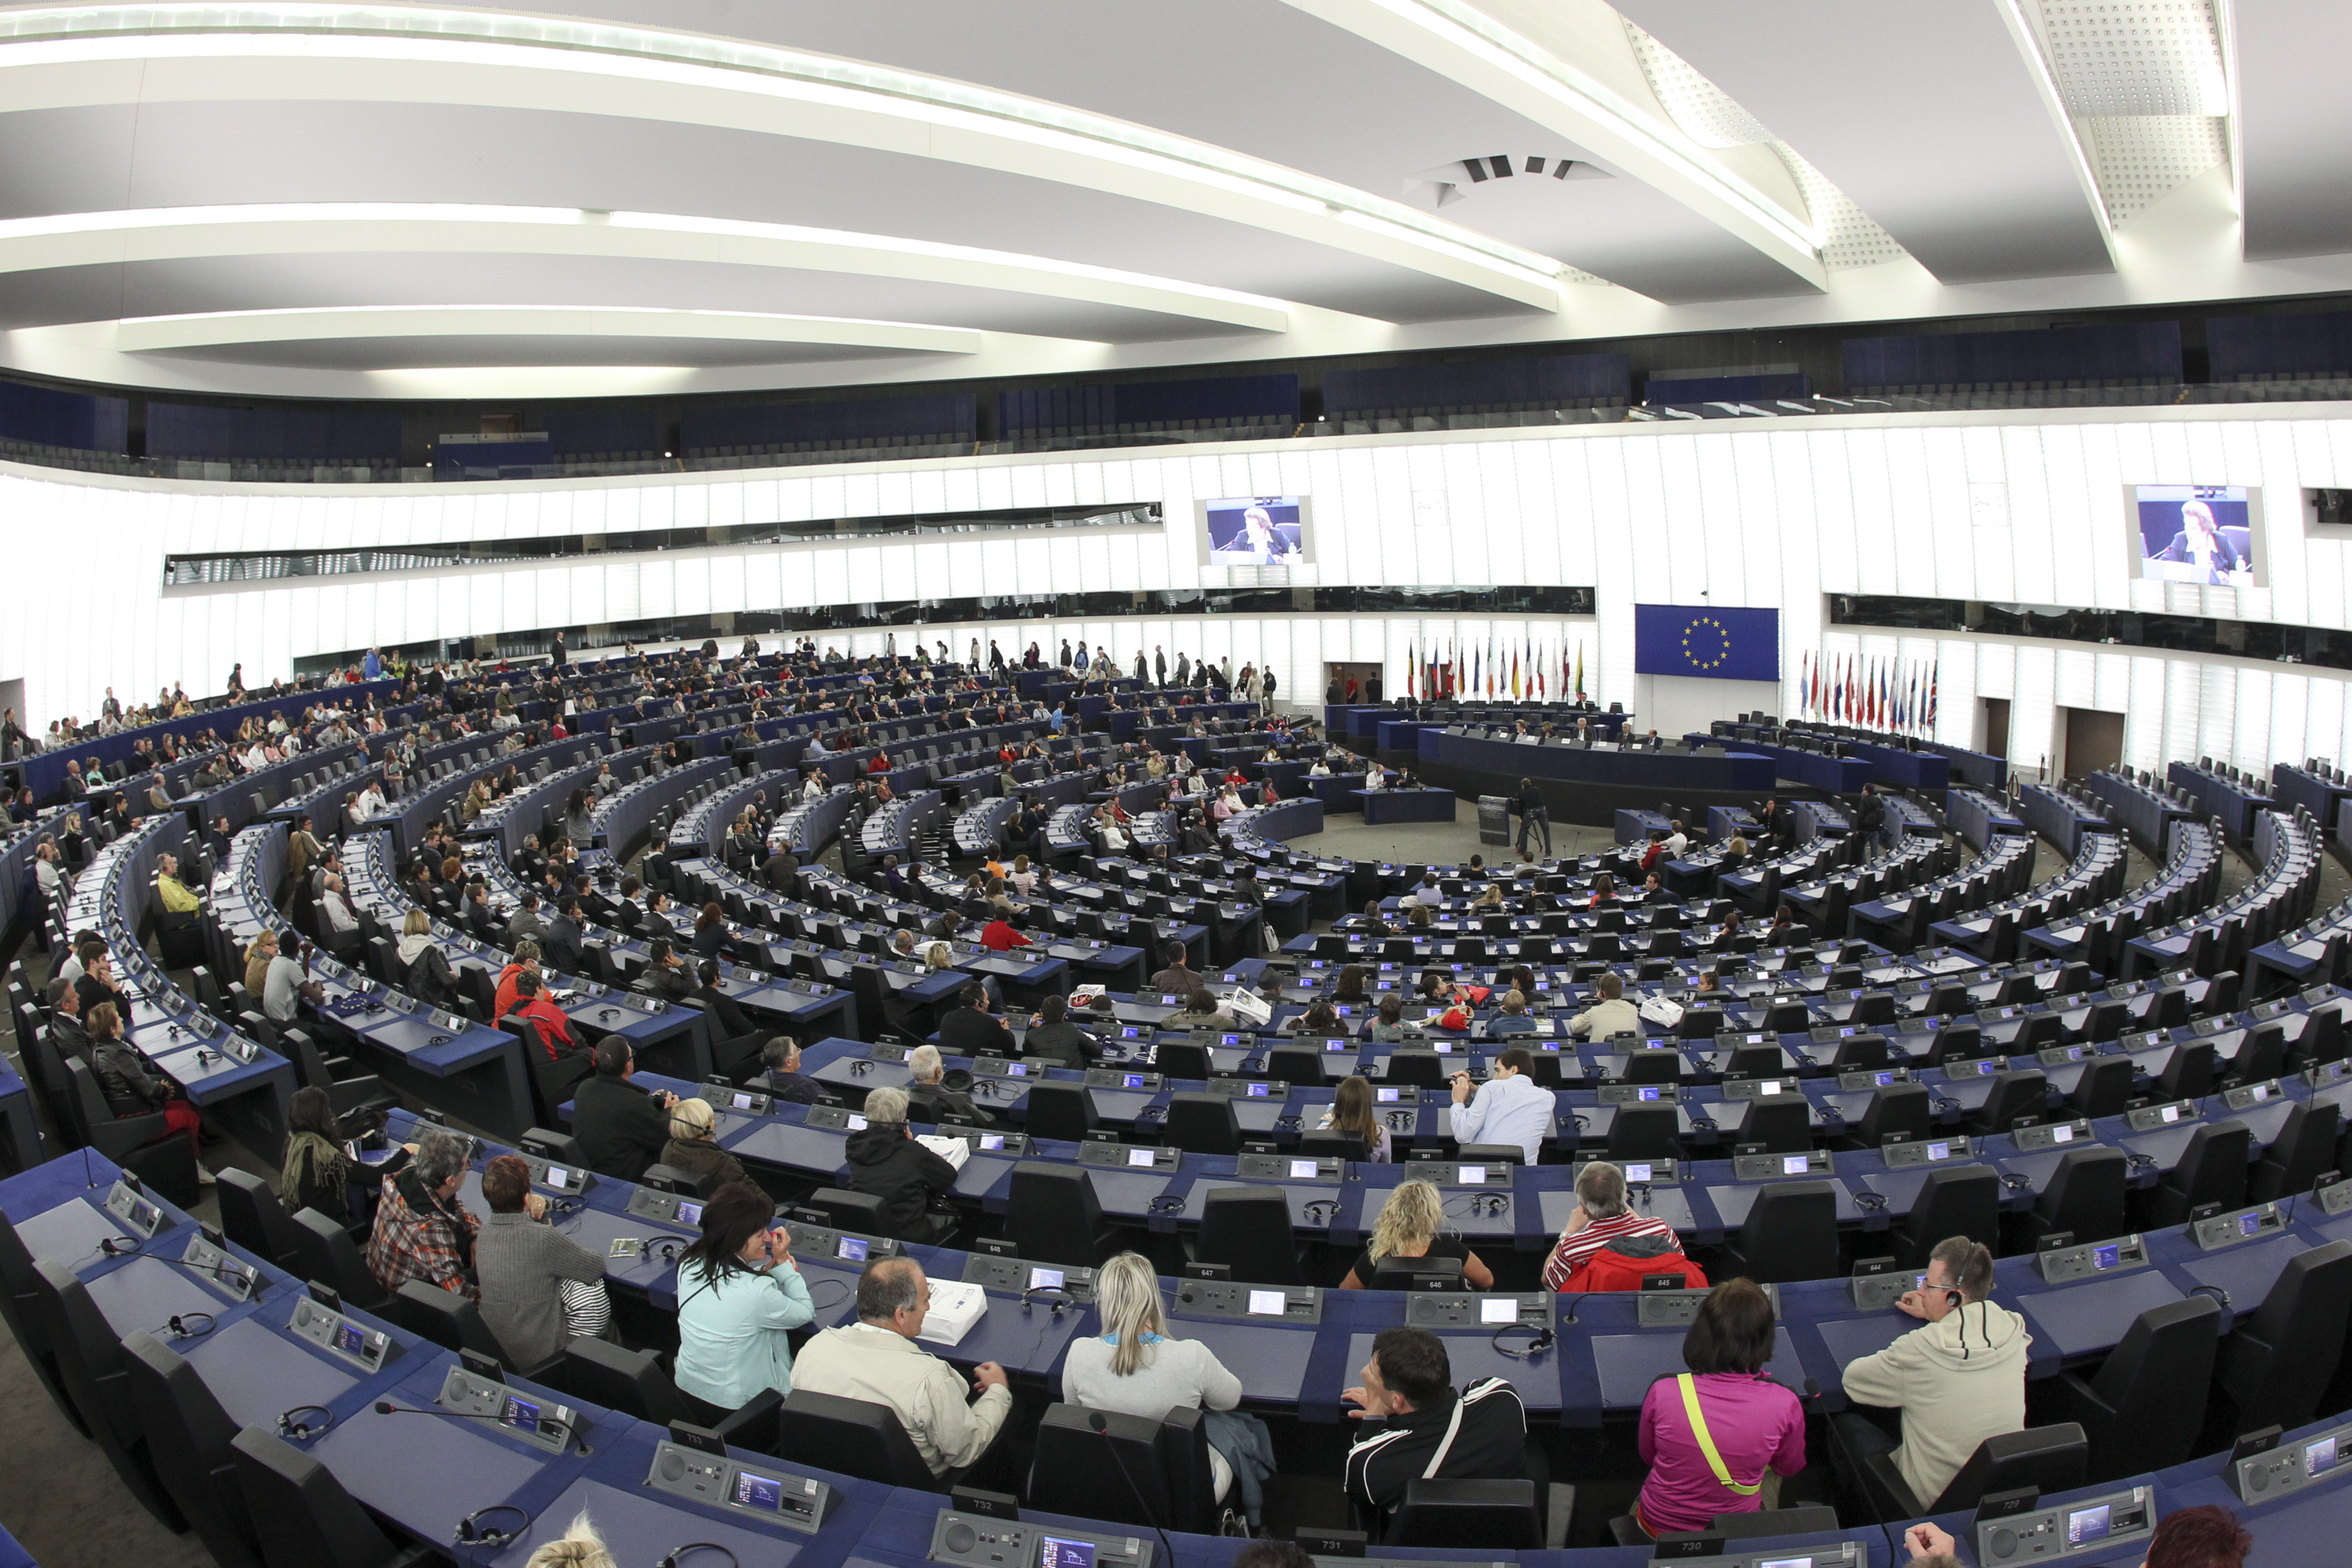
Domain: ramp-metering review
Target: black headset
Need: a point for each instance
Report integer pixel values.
(2216, 1291)
(287, 1427)
(669, 1559)
(1545, 1338)
(184, 1325)
(118, 1245)
(1870, 1203)
(1168, 1203)
(1054, 1295)
(1330, 1207)
(472, 1534)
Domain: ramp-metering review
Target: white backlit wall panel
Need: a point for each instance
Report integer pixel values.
(1999, 508)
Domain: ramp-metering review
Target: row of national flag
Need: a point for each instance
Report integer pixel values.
(1870, 692)
(1531, 670)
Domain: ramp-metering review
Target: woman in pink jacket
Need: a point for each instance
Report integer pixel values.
(1710, 1434)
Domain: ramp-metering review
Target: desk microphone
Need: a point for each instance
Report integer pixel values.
(1101, 1425)
(387, 1408)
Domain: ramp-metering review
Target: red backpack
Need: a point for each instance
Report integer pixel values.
(1626, 1261)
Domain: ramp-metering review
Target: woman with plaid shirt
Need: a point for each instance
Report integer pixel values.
(422, 1231)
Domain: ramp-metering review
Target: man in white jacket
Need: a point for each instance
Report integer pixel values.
(875, 1359)
(1957, 1381)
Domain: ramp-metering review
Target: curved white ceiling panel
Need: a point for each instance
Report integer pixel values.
(144, 334)
(75, 56)
(85, 240)
(1928, 115)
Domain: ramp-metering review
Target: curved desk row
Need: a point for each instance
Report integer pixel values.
(257, 1368)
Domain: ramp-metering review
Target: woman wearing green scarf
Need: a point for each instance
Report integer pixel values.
(316, 1174)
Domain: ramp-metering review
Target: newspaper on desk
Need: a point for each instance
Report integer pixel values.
(954, 1151)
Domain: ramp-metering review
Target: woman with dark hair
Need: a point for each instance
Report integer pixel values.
(315, 1173)
(22, 808)
(579, 819)
(739, 1297)
(1353, 1115)
(1711, 1435)
(1351, 985)
(710, 932)
(1376, 923)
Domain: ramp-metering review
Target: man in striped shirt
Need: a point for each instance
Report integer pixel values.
(1602, 1214)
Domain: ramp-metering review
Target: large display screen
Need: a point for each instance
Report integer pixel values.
(2196, 533)
(1256, 530)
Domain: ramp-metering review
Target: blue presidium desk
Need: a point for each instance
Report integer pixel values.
(424, 1472)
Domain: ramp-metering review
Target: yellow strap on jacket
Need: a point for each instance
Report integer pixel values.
(1706, 1439)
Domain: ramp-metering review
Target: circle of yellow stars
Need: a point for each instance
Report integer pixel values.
(1723, 643)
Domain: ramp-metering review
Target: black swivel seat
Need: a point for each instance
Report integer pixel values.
(1502, 1515)
(27, 1320)
(1249, 1229)
(633, 1382)
(2084, 1197)
(1645, 1133)
(1860, 1053)
(2276, 1363)
(1296, 1065)
(454, 1324)
(852, 1437)
(1954, 1200)
(253, 1218)
(1652, 1067)
(2022, 1093)
(2261, 1057)
(1754, 1061)
(89, 1366)
(2051, 1459)
(1783, 1124)
(1898, 1113)
(2145, 1406)
(1202, 1124)
(2212, 1170)
(304, 1517)
(1956, 1043)
(2189, 1073)
(1135, 1471)
(2304, 1149)
(1790, 1234)
(1052, 1215)
(1182, 1058)
(1062, 1110)
(2104, 1089)
(189, 1437)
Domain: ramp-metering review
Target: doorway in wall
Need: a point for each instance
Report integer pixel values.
(1996, 725)
(2095, 740)
(1366, 675)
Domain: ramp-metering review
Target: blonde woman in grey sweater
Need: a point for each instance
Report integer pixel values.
(1134, 1367)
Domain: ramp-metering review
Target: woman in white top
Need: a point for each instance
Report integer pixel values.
(1135, 1368)
(1021, 877)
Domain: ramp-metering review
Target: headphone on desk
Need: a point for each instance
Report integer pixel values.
(1168, 1203)
(669, 1559)
(2016, 1181)
(1870, 1203)
(287, 1427)
(1061, 1297)
(1545, 1338)
(1330, 1207)
(184, 1325)
(470, 1533)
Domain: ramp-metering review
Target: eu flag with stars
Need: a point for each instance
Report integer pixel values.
(1711, 644)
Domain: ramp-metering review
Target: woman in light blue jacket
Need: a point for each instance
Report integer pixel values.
(739, 1296)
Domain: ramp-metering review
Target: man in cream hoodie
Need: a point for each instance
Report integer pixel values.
(1957, 1381)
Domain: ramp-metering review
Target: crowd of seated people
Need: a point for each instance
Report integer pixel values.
(1719, 1439)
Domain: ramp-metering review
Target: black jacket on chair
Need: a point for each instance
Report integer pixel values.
(969, 1032)
(884, 1163)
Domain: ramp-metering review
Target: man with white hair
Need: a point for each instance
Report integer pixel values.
(1602, 1216)
(931, 1101)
